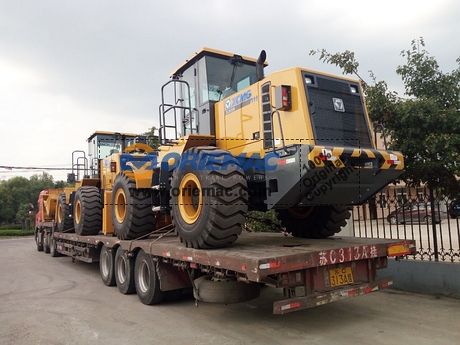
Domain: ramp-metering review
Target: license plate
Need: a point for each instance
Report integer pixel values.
(341, 276)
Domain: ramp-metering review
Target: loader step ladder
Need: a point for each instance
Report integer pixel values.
(170, 111)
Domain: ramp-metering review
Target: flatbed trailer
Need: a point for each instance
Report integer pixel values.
(311, 272)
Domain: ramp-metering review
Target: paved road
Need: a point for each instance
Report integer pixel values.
(45, 300)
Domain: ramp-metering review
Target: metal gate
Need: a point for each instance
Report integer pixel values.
(405, 213)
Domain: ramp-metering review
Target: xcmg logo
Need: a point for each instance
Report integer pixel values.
(238, 99)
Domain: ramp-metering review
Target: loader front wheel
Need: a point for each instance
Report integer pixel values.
(208, 198)
(132, 214)
(87, 211)
(314, 221)
(63, 220)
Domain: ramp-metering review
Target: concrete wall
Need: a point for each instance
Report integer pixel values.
(439, 278)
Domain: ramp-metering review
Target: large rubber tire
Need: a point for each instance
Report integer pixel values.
(124, 272)
(314, 221)
(146, 280)
(209, 201)
(53, 248)
(224, 290)
(107, 266)
(132, 214)
(39, 240)
(46, 243)
(87, 211)
(63, 220)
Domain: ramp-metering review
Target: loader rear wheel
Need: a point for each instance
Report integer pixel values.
(63, 220)
(208, 198)
(146, 280)
(124, 272)
(132, 214)
(87, 211)
(314, 221)
(107, 266)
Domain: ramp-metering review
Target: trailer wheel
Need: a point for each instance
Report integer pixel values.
(87, 211)
(146, 280)
(46, 243)
(208, 198)
(224, 290)
(124, 272)
(38, 240)
(53, 248)
(107, 265)
(132, 214)
(314, 221)
(63, 220)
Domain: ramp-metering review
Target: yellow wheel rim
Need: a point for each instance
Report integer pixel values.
(300, 212)
(190, 198)
(78, 211)
(59, 213)
(120, 206)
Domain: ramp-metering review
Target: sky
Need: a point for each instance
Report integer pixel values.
(69, 68)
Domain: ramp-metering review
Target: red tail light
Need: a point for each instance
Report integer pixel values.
(283, 97)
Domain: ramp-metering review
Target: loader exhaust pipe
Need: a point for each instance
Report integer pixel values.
(260, 65)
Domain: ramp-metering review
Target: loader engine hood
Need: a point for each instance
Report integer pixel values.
(337, 112)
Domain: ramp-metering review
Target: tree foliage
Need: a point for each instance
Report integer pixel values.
(152, 138)
(424, 125)
(17, 193)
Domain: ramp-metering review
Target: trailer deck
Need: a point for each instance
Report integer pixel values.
(311, 271)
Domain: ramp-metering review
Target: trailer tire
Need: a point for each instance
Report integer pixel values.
(124, 272)
(224, 290)
(146, 280)
(38, 240)
(107, 266)
(209, 201)
(87, 211)
(53, 248)
(132, 214)
(314, 221)
(63, 220)
(46, 243)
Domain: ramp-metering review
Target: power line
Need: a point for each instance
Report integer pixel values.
(9, 167)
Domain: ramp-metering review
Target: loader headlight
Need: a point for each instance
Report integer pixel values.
(353, 89)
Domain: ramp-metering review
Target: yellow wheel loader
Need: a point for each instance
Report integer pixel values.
(232, 140)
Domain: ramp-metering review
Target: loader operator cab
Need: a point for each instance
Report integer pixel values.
(206, 78)
(103, 144)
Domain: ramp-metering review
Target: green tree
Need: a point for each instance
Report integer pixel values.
(19, 191)
(425, 125)
(152, 138)
(24, 216)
